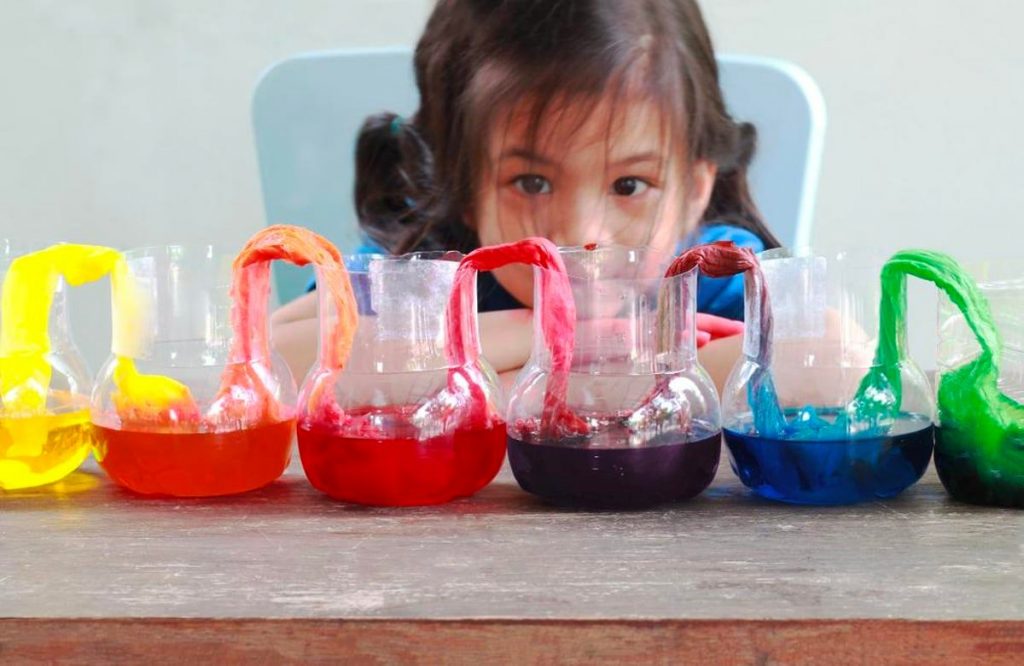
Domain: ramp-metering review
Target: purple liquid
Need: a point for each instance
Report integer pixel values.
(571, 473)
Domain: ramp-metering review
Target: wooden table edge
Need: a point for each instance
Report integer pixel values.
(159, 640)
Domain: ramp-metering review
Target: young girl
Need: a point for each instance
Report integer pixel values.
(585, 121)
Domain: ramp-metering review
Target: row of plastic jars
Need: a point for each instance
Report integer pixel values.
(827, 406)
(796, 421)
(52, 415)
(399, 424)
(412, 433)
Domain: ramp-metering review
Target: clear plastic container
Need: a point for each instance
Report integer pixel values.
(648, 424)
(177, 409)
(978, 452)
(405, 422)
(45, 432)
(801, 422)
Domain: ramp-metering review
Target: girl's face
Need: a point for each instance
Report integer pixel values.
(607, 175)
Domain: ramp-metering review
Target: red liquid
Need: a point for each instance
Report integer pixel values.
(196, 464)
(401, 472)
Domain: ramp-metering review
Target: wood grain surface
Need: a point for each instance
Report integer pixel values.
(286, 574)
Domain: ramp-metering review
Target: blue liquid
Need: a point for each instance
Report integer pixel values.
(834, 471)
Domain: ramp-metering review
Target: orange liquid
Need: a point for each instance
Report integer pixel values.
(195, 464)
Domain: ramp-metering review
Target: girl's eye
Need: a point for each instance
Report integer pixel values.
(629, 187)
(533, 184)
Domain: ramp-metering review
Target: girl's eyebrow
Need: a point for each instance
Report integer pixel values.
(649, 156)
(526, 154)
(536, 158)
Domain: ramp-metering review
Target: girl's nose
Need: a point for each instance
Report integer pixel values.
(581, 223)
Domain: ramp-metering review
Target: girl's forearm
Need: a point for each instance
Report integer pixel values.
(718, 357)
(506, 338)
(303, 307)
(296, 342)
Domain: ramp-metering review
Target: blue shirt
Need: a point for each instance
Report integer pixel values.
(717, 296)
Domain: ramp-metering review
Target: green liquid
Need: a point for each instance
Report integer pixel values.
(979, 450)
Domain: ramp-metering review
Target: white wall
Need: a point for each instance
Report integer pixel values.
(925, 144)
(127, 121)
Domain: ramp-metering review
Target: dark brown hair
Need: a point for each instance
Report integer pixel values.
(415, 178)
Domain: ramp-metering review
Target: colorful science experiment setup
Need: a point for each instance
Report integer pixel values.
(612, 411)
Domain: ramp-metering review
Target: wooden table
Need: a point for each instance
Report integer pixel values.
(89, 571)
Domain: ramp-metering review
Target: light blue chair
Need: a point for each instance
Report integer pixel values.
(307, 110)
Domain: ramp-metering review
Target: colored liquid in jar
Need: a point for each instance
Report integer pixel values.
(195, 464)
(834, 471)
(969, 475)
(592, 472)
(401, 471)
(38, 450)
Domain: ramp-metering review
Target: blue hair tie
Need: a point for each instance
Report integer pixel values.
(396, 125)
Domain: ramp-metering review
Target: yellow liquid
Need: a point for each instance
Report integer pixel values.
(37, 450)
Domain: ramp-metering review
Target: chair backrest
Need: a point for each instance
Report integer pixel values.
(307, 110)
